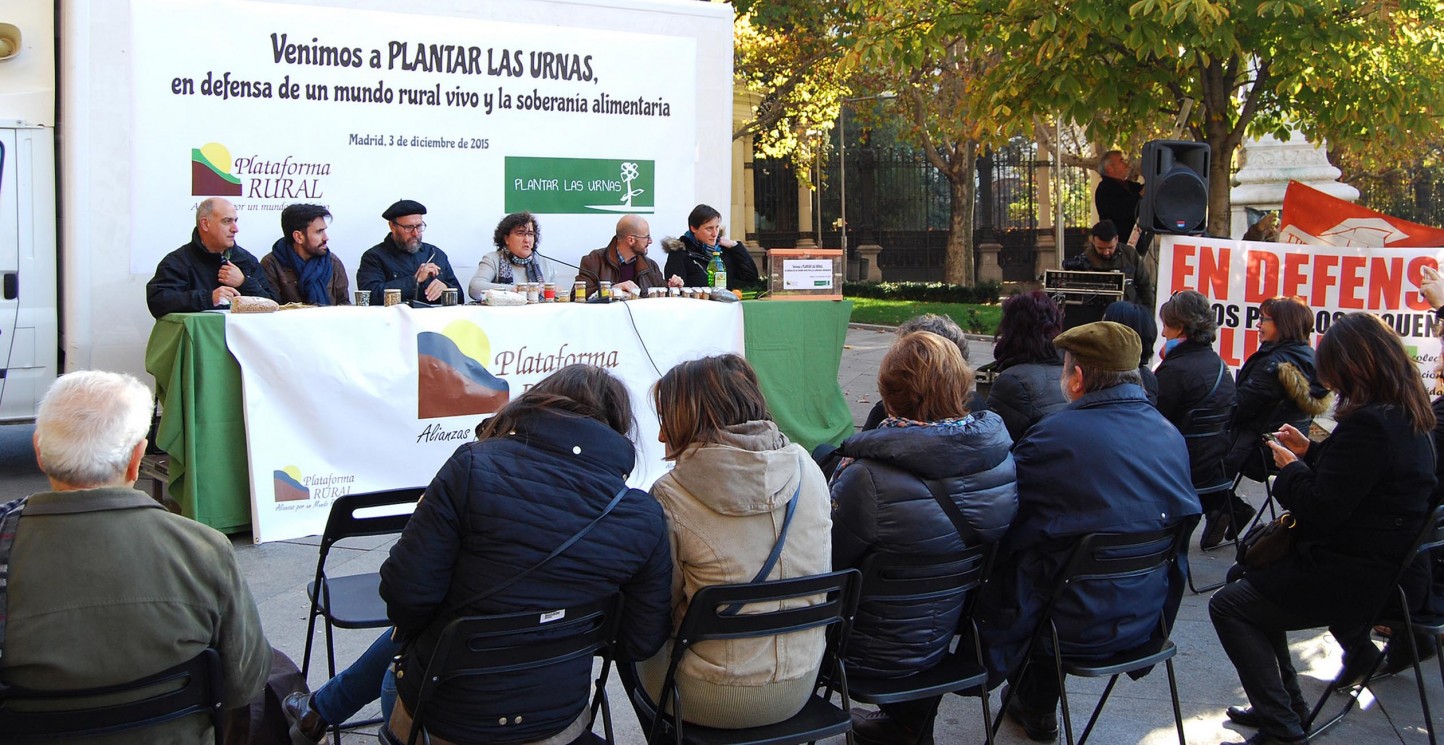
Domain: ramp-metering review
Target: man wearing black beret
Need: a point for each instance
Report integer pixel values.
(401, 261)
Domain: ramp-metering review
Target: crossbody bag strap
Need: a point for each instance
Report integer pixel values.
(772, 558)
(1217, 380)
(9, 522)
(555, 552)
(950, 508)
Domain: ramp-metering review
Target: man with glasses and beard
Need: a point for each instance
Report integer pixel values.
(402, 261)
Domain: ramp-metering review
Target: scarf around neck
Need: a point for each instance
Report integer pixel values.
(313, 275)
(505, 274)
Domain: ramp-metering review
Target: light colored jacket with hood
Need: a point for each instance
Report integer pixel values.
(725, 503)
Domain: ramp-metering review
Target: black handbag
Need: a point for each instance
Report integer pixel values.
(1266, 543)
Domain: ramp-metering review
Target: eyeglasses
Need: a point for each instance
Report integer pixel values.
(642, 238)
(417, 228)
(1265, 319)
(524, 233)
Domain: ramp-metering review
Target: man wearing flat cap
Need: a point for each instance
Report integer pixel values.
(1080, 470)
(401, 261)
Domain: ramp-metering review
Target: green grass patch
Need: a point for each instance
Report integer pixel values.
(976, 319)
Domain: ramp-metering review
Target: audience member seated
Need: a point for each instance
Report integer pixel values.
(300, 266)
(1359, 498)
(401, 261)
(623, 261)
(688, 256)
(515, 260)
(104, 585)
(1193, 379)
(1107, 462)
(946, 328)
(1028, 365)
(548, 464)
(739, 491)
(1276, 385)
(210, 270)
(1140, 319)
(886, 496)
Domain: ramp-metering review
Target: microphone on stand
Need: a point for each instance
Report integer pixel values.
(552, 258)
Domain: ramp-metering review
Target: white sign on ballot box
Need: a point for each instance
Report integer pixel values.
(348, 400)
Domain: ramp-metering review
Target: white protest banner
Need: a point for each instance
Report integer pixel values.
(469, 114)
(348, 400)
(1332, 280)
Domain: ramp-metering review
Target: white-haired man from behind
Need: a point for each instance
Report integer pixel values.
(105, 586)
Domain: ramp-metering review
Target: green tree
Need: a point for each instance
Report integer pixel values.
(1368, 76)
(789, 54)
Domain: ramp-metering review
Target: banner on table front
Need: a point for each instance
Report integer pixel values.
(1312, 217)
(348, 400)
(470, 116)
(1333, 280)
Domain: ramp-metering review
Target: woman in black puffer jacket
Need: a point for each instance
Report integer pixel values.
(545, 467)
(1028, 366)
(883, 501)
(1277, 384)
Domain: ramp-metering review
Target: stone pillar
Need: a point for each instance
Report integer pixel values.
(807, 230)
(868, 252)
(1045, 256)
(989, 269)
(1266, 166)
(742, 218)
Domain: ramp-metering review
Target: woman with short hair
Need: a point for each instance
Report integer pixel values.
(1028, 367)
(689, 255)
(739, 488)
(1195, 393)
(515, 259)
(1359, 499)
(886, 499)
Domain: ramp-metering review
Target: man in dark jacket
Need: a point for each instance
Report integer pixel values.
(210, 270)
(624, 260)
(1107, 253)
(1116, 198)
(401, 261)
(1080, 471)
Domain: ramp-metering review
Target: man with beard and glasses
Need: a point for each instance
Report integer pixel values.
(401, 261)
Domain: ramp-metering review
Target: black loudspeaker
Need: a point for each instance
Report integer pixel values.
(1175, 188)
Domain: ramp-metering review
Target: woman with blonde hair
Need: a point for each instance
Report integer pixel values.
(739, 490)
(887, 494)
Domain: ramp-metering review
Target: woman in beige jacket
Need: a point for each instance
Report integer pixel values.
(725, 502)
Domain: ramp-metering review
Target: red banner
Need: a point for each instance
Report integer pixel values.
(1312, 217)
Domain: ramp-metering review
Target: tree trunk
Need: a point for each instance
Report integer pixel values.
(961, 268)
(1220, 173)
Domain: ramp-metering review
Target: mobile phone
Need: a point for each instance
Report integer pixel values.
(1270, 437)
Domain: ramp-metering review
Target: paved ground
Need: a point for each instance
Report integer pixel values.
(1138, 712)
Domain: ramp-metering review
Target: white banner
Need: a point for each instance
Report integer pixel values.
(474, 117)
(348, 400)
(1333, 280)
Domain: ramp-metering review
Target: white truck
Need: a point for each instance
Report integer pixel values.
(117, 118)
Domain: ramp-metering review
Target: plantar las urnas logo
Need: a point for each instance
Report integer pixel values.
(452, 379)
(211, 172)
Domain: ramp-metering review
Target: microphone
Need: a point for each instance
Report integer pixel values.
(552, 258)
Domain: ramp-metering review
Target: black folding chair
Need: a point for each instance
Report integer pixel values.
(1106, 557)
(1431, 537)
(1200, 424)
(190, 688)
(708, 618)
(500, 645)
(352, 601)
(902, 578)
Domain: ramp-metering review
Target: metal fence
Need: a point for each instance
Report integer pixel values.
(897, 199)
(1415, 194)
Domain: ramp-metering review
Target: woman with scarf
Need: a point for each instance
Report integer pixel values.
(300, 266)
(515, 259)
(688, 256)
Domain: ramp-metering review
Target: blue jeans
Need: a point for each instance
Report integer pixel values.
(365, 680)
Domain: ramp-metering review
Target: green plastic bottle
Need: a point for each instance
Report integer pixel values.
(716, 272)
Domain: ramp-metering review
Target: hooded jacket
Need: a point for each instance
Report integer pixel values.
(688, 258)
(882, 503)
(1276, 385)
(725, 502)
